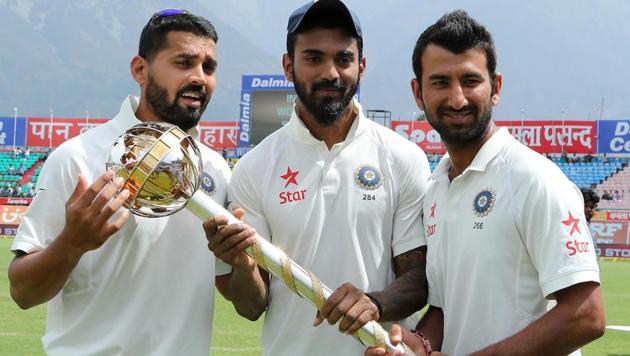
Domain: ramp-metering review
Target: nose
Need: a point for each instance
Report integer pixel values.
(197, 75)
(457, 98)
(330, 71)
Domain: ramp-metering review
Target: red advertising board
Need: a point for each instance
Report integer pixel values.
(11, 214)
(219, 135)
(15, 201)
(618, 215)
(420, 133)
(610, 232)
(554, 136)
(541, 136)
(40, 131)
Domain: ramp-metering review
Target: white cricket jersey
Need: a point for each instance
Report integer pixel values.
(149, 290)
(342, 213)
(502, 238)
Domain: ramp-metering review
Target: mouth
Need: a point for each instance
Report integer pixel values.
(193, 98)
(330, 91)
(458, 117)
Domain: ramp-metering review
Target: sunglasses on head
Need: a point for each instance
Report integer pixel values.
(167, 13)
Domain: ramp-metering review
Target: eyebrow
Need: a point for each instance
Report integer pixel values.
(186, 55)
(346, 52)
(438, 77)
(445, 77)
(312, 51)
(473, 75)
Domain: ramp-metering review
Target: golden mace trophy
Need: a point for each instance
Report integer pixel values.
(162, 167)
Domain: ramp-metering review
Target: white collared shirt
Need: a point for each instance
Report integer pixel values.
(502, 237)
(149, 290)
(342, 213)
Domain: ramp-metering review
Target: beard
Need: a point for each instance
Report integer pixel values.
(182, 116)
(465, 133)
(326, 110)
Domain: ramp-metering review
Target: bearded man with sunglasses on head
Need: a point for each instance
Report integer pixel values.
(118, 284)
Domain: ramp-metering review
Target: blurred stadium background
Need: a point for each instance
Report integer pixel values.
(592, 153)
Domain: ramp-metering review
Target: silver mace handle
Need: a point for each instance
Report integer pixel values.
(302, 282)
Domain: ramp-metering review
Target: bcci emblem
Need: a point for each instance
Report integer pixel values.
(207, 184)
(368, 177)
(484, 202)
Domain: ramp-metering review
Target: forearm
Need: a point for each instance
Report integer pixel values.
(247, 288)
(404, 296)
(37, 277)
(432, 326)
(562, 330)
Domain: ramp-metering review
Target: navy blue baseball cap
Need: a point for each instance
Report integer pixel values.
(325, 8)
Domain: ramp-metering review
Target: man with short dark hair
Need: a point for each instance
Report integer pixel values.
(510, 262)
(118, 284)
(340, 194)
(590, 203)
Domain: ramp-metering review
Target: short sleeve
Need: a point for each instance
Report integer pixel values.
(244, 193)
(45, 217)
(414, 172)
(555, 232)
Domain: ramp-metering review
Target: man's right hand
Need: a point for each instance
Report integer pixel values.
(247, 286)
(228, 242)
(88, 211)
(37, 277)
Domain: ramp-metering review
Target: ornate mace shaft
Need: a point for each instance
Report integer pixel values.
(162, 168)
(302, 282)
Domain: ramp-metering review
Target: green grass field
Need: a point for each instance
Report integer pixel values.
(20, 331)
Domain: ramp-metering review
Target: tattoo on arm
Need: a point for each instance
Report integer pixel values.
(416, 258)
(408, 293)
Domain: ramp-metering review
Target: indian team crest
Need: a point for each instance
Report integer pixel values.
(484, 202)
(368, 177)
(207, 184)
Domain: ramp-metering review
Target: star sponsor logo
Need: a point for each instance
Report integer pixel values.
(432, 214)
(290, 177)
(292, 197)
(573, 224)
(574, 247)
(484, 202)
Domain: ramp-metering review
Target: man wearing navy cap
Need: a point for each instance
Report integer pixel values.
(340, 194)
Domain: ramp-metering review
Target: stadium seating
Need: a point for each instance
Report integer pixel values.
(619, 187)
(13, 168)
(587, 174)
(608, 174)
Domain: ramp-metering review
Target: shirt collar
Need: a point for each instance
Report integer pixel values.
(299, 131)
(126, 117)
(488, 151)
